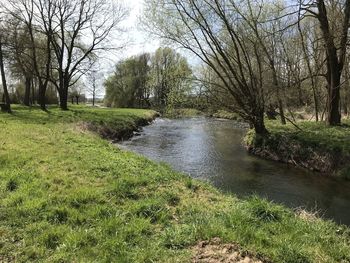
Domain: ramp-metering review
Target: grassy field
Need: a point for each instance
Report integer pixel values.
(67, 195)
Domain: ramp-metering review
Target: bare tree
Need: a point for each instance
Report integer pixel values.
(26, 12)
(220, 38)
(74, 32)
(335, 39)
(93, 82)
(79, 29)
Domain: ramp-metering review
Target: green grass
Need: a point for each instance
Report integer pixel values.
(317, 134)
(223, 114)
(67, 195)
(182, 113)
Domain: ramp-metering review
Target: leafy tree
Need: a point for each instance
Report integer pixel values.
(170, 77)
(127, 87)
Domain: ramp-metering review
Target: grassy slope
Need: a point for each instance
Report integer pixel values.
(68, 195)
(317, 135)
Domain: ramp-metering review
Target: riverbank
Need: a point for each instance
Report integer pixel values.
(316, 146)
(66, 194)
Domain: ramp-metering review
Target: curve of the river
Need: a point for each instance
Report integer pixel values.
(211, 149)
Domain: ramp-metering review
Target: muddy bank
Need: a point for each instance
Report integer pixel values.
(288, 150)
(117, 131)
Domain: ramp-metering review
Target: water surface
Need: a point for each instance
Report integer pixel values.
(211, 149)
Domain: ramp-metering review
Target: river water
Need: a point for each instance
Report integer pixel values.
(212, 149)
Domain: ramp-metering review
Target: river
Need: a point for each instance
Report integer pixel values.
(212, 149)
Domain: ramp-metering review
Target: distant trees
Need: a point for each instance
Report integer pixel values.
(128, 86)
(158, 80)
(170, 77)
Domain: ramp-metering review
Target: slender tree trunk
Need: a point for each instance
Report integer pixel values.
(4, 83)
(316, 103)
(28, 82)
(334, 116)
(33, 92)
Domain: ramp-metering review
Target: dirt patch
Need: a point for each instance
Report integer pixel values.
(214, 251)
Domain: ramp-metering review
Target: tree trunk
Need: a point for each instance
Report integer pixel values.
(334, 116)
(4, 83)
(63, 90)
(64, 99)
(33, 92)
(41, 98)
(281, 111)
(77, 99)
(258, 123)
(259, 127)
(26, 100)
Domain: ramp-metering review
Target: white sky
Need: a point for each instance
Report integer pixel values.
(141, 42)
(137, 42)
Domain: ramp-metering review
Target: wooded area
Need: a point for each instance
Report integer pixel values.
(262, 55)
(51, 44)
(256, 57)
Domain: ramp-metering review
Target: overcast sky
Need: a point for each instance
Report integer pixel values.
(140, 40)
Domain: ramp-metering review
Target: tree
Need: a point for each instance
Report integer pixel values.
(127, 87)
(335, 38)
(170, 77)
(73, 33)
(221, 39)
(71, 21)
(28, 12)
(165, 76)
(20, 58)
(76, 92)
(7, 106)
(92, 85)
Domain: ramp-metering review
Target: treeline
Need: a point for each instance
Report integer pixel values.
(46, 46)
(159, 80)
(263, 56)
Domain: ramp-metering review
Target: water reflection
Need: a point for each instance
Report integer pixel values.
(212, 150)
